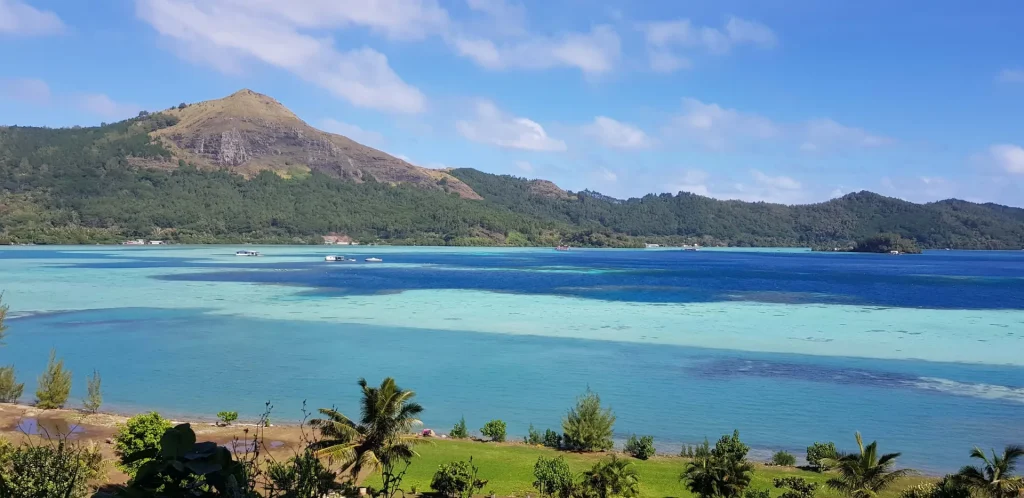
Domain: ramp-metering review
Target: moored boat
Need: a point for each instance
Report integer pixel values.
(561, 248)
(246, 253)
(334, 258)
(374, 260)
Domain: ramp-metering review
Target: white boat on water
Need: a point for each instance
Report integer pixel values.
(333, 258)
(246, 253)
(374, 260)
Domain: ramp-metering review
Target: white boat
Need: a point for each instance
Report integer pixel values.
(246, 253)
(334, 258)
(374, 260)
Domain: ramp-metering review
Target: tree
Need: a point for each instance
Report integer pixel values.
(612, 476)
(821, 451)
(10, 388)
(380, 441)
(587, 426)
(54, 384)
(459, 431)
(3, 316)
(641, 448)
(93, 396)
(993, 477)
(553, 478)
(783, 458)
(864, 474)
(53, 468)
(227, 417)
(457, 479)
(795, 487)
(138, 434)
(301, 476)
(722, 471)
(182, 106)
(495, 429)
(533, 437)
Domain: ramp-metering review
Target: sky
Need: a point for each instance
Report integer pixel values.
(792, 101)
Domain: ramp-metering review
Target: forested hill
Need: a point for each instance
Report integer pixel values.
(125, 180)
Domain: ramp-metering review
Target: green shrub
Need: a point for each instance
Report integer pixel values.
(303, 475)
(227, 417)
(821, 451)
(730, 448)
(795, 487)
(139, 433)
(533, 437)
(93, 397)
(54, 384)
(10, 389)
(688, 451)
(783, 459)
(495, 429)
(642, 447)
(53, 469)
(552, 439)
(756, 493)
(459, 431)
(553, 477)
(457, 479)
(587, 426)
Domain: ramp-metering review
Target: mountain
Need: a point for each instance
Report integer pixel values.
(245, 169)
(248, 132)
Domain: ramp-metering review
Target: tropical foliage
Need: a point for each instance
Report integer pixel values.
(381, 440)
(138, 434)
(459, 430)
(94, 395)
(553, 477)
(457, 479)
(783, 458)
(10, 389)
(495, 429)
(52, 468)
(866, 473)
(588, 426)
(612, 476)
(722, 471)
(640, 447)
(818, 452)
(993, 477)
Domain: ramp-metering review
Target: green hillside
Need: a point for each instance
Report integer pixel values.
(107, 183)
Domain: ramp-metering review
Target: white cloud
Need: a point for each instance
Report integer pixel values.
(715, 127)
(395, 19)
(524, 166)
(102, 105)
(827, 134)
(595, 52)
(693, 181)
(26, 89)
(663, 37)
(616, 134)
(20, 18)
(490, 125)
(1008, 157)
(352, 131)
(776, 182)
(919, 188)
(225, 33)
(607, 175)
(1011, 76)
(507, 18)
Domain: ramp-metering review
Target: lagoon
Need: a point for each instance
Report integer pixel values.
(922, 353)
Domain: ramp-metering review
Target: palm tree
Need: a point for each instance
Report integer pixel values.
(711, 474)
(994, 478)
(613, 477)
(864, 474)
(381, 440)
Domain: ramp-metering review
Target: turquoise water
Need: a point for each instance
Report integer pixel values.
(922, 353)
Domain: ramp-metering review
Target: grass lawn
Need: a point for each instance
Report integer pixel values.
(508, 468)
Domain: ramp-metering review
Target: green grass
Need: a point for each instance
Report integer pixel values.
(508, 468)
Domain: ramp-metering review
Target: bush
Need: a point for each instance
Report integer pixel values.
(756, 493)
(947, 487)
(553, 477)
(495, 429)
(783, 459)
(141, 432)
(821, 451)
(227, 417)
(642, 448)
(303, 475)
(55, 468)
(54, 384)
(457, 479)
(10, 389)
(587, 426)
(552, 439)
(93, 397)
(459, 431)
(730, 448)
(795, 487)
(688, 451)
(533, 438)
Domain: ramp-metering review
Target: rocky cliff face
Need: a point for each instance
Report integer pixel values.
(248, 132)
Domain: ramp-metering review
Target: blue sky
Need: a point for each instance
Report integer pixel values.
(796, 101)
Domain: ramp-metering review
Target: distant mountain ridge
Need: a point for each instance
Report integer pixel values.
(246, 169)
